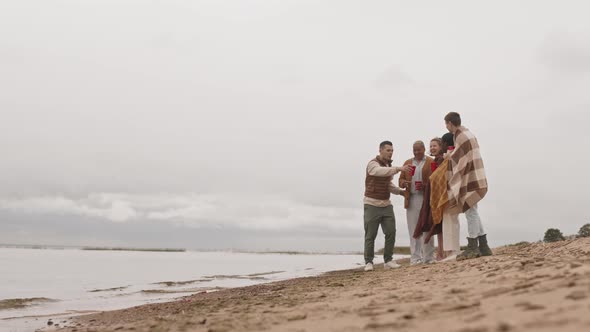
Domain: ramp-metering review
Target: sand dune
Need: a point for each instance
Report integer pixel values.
(536, 287)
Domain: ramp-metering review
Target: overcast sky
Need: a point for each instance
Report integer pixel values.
(248, 124)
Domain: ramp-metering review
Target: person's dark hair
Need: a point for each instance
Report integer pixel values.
(448, 139)
(384, 143)
(454, 118)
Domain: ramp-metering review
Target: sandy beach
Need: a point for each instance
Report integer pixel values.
(529, 287)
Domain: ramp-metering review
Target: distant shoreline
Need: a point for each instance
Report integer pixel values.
(401, 250)
(52, 247)
(133, 249)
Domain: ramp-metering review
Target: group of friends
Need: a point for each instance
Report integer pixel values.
(437, 189)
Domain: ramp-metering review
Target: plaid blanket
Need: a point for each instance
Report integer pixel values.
(467, 179)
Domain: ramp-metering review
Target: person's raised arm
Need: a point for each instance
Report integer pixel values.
(374, 169)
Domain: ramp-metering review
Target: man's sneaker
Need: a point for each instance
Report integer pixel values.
(451, 256)
(391, 265)
(369, 267)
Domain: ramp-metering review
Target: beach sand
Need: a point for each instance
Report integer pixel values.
(531, 287)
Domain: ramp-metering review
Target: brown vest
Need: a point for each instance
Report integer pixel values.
(377, 187)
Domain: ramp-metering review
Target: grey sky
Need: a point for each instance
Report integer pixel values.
(248, 124)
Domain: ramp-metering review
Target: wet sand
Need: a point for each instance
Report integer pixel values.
(536, 287)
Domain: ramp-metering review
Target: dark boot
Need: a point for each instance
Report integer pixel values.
(484, 249)
(472, 250)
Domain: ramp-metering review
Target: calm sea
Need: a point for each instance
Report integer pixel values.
(71, 281)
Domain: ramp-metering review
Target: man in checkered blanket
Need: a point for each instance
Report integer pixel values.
(467, 185)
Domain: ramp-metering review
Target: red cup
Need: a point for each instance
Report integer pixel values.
(451, 148)
(412, 170)
(433, 166)
(418, 185)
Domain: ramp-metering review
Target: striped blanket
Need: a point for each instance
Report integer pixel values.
(467, 179)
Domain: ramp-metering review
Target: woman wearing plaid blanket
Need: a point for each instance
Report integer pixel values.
(444, 222)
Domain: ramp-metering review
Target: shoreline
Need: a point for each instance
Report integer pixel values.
(106, 281)
(20, 312)
(530, 287)
(398, 250)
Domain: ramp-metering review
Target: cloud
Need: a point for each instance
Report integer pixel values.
(18, 228)
(99, 206)
(253, 212)
(265, 126)
(393, 79)
(566, 52)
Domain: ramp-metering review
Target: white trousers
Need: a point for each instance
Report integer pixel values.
(421, 252)
(451, 231)
(474, 225)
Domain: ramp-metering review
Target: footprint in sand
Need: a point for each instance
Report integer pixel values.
(386, 326)
(577, 295)
(474, 329)
(296, 316)
(527, 306)
(463, 306)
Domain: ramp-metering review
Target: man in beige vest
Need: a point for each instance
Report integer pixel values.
(377, 205)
